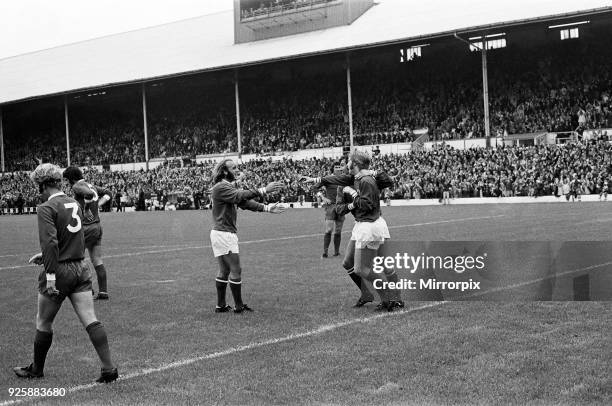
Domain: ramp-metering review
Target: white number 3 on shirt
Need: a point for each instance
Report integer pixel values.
(75, 215)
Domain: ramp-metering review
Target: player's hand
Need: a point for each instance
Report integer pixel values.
(51, 289)
(274, 208)
(349, 190)
(36, 259)
(274, 187)
(325, 200)
(308, 180)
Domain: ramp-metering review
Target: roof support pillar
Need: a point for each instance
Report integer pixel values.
(1, 143)
(237, 97)
(485, 83)
(144, 125)
(67, 130)
(349, 97)
(485, 92)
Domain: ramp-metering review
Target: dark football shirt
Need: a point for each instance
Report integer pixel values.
(225, 200)
(60, 231)
(367, 203)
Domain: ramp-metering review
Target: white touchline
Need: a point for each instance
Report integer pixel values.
(295, 336)
(292, 237)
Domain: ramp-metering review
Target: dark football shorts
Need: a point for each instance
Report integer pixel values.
(70, 277)
(93, 235)
(330, 213)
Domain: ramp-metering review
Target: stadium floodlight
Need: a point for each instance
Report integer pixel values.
(569, 24)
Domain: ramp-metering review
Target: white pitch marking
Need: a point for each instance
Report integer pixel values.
(292, 237)
(295, 336)
(233, 350)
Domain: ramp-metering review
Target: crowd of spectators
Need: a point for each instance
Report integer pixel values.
(560, 87)
(582, 166)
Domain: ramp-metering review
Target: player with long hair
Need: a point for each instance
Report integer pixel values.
(226, 198)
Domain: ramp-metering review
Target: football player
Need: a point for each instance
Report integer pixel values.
(370, 231)
(604, 189)
(226, 198)
(90, 198)
(64, 274)
(343, 200)
(333, 220)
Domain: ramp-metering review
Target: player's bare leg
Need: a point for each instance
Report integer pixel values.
(362, 284)
(84, 308)
(47, 310)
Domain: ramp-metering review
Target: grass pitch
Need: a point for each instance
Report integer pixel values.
(304, 344)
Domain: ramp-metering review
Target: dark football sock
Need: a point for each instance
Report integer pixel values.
(326, 241)
(101, 273)
(337, 238)
(42, 343)
(356, 278)
(221, 287)
(98, 338)
(236, 288)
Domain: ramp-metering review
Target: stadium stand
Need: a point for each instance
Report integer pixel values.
(474, 172)
(565, 87)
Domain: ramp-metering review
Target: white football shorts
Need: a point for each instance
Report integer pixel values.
(370, 235)
(223, 242)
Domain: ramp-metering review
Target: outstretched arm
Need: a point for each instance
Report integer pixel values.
(330, 180)
(227, 193)
(252, 205)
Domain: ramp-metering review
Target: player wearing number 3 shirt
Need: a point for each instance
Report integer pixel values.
(64, 274)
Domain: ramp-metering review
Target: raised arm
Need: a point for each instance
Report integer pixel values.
(83, 190)
(104, 195)
(227, 193)
(330, 180)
